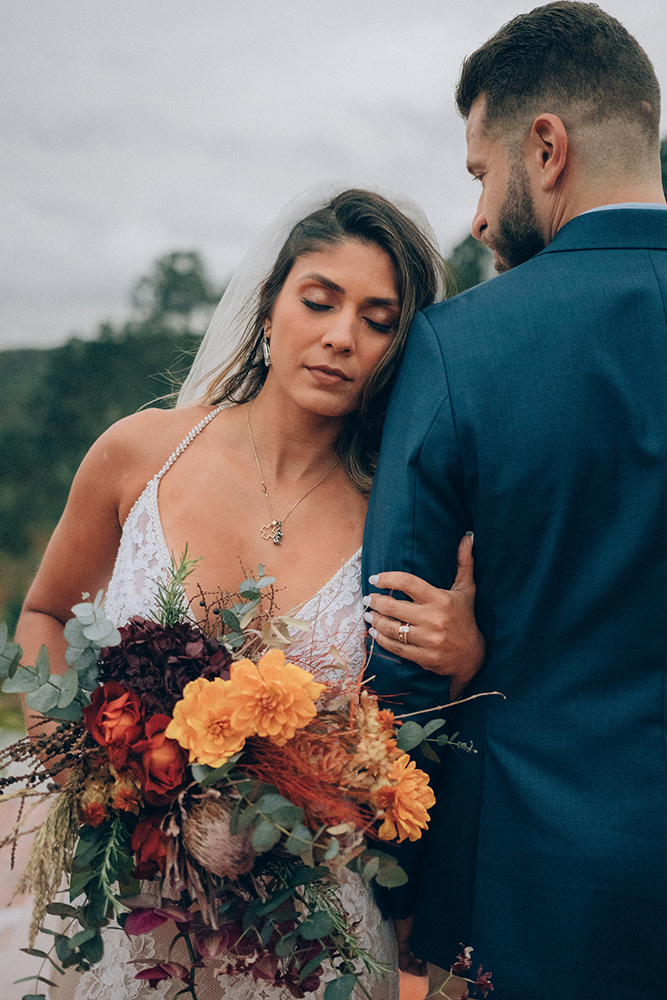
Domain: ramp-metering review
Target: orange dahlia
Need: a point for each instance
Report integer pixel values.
(272, 698)
(202, 722)
(405, 801)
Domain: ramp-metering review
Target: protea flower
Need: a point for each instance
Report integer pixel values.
(206, 836)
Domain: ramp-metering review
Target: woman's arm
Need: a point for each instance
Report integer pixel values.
(442, 636)
(82, 551)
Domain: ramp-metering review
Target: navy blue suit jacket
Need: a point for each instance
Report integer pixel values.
(533, 409)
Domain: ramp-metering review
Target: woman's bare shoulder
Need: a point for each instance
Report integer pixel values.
(130, 452)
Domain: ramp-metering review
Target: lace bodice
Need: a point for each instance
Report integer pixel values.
(337, 616)
(143, 559)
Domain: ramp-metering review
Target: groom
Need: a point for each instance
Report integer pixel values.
(533, 410)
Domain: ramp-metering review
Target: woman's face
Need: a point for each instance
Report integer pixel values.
(332, 322)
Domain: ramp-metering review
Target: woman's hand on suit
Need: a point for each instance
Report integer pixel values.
(435, 628)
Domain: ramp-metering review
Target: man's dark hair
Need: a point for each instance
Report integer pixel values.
(559, 55)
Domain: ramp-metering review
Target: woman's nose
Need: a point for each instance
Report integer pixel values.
(340, 331)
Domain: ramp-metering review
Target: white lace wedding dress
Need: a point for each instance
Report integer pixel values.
(337, 616)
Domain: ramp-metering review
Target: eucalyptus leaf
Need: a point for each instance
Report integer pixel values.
(286, 945)
(234, 640)
(84, 613)
(410, 735)
(240, 821)
(317, 925)
(42, 665)
(299, 840)
(332, 850)
(340, 988)
(265, 581)
(61, 910)
(275, 901)
(429, 753)
(205, 775)
(36, 979)
(249, 591)
(69, 688)
(79, 658)
(99, 632)
(24, 680)
(10, 654)
(287, 816)
(432, 726)
(265, 836)
(71, 713)
(230, 620)
(78, 939)
(89, 676)
(45, 698)
(370, 869)
(301, 876)
(391, 876)
(93, 949)
(63, 950)
(312, 965)
(269, 803)
(73, 633)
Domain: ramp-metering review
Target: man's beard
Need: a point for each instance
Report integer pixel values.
(518, 237)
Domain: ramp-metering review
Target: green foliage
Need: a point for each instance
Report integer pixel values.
(471, 262)
(63, 696)
(412, 735)
(55, 403)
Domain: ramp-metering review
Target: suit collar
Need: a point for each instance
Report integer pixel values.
(623, 228)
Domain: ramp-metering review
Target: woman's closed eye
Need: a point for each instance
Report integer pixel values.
(374, 324)
(317, 306)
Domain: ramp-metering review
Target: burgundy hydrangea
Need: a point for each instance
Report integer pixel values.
(156, 662)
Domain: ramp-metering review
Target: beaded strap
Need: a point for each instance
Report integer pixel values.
(197, 429)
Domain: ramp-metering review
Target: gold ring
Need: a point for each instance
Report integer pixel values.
(403, 633)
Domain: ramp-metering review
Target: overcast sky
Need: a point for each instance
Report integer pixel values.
(133, 128)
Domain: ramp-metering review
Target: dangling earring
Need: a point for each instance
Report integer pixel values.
(266, 349)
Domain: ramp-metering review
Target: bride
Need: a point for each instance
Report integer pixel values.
(267, 458)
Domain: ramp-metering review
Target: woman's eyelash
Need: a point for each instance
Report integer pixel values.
(322, 307)
(317, 306)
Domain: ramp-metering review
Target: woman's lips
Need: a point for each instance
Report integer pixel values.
(328, 376)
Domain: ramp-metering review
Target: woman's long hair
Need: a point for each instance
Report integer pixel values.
(419, 270)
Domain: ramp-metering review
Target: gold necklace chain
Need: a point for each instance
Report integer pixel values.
(274, 532)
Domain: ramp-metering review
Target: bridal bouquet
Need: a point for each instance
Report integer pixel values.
(214, 787)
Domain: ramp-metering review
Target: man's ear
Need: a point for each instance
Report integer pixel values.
(546, 150)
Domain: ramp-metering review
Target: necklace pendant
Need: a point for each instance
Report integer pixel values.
(273, 532)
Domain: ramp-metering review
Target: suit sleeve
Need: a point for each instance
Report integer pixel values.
(416, 518)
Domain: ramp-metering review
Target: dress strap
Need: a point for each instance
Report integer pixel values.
(197, 429)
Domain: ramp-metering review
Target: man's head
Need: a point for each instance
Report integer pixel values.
(563, 111)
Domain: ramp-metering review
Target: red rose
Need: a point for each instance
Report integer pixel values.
(149, 845)
(114, 719)
(159, 762)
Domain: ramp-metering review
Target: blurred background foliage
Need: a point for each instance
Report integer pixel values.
(55, 402)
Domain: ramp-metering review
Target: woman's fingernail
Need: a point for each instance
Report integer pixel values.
(374, 580)
(470, 535)
(366, 600)
(373, 632)
(368, 617)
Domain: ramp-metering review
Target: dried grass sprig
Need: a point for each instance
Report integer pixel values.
(51, 856)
